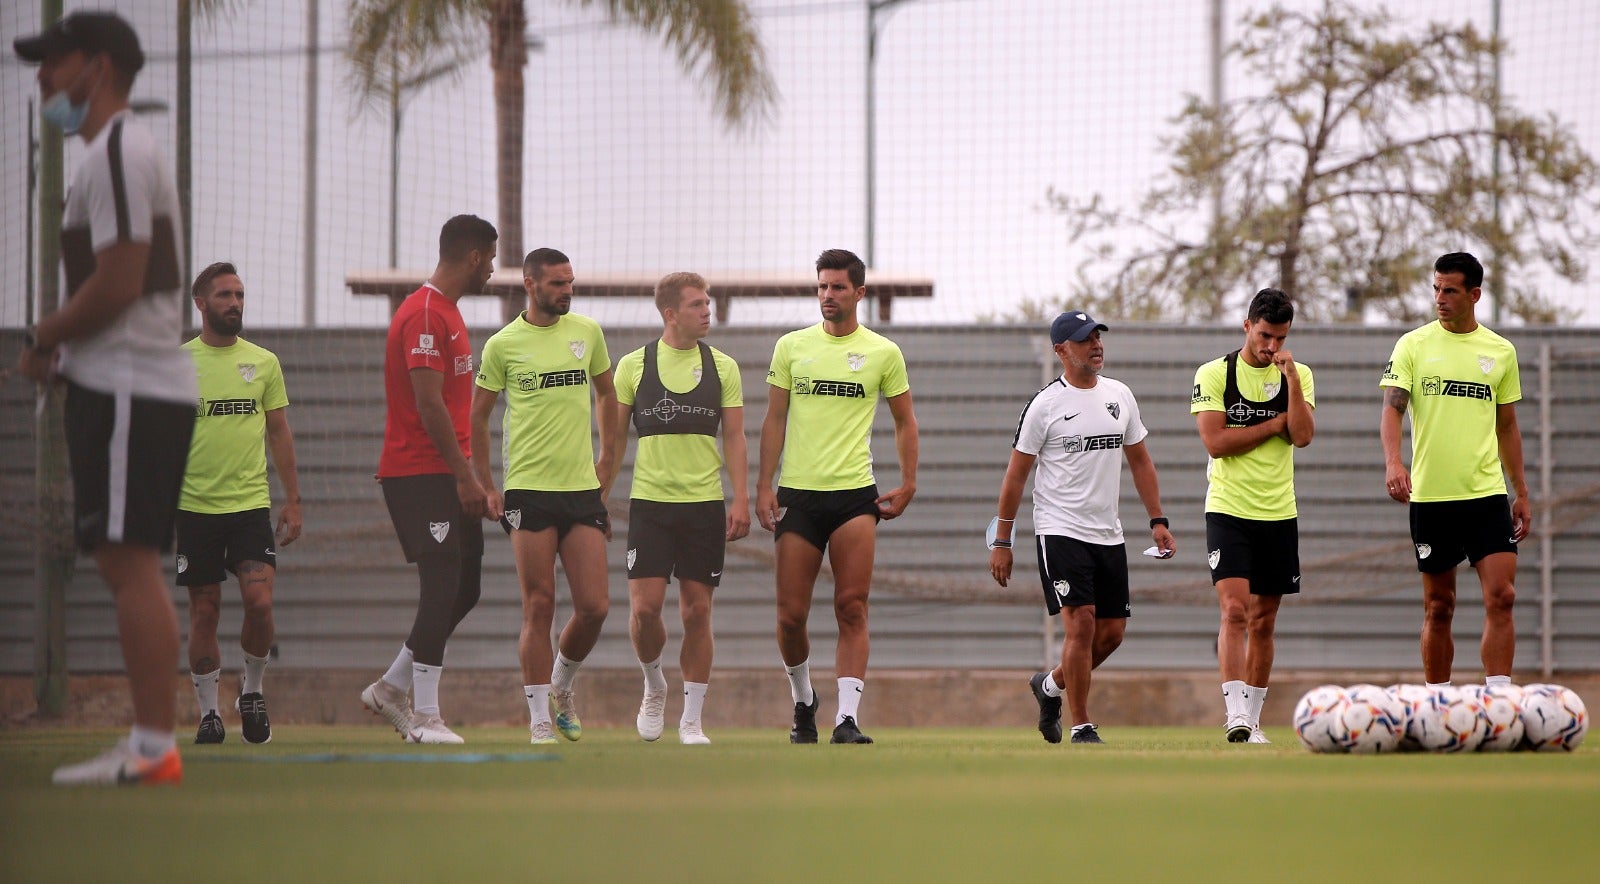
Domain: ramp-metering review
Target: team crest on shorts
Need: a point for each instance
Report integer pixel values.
(1486, 363)
(1115, 410)
(514, 518)
(1214, 557)
(1424, 550)
(633, 554)
(1062, 589)
(856, 360)
(577, 348)
(439, 530)
(247, 371)
(183, 564)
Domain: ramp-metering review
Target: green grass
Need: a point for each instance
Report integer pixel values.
(1170, 804)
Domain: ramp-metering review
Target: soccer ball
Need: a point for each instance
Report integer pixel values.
(1454, 723)
(1554, 720)
(1416, 702)
(1500, 707)
(1374, 720)
(1318, 722)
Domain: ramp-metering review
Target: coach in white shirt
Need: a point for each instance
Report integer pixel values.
(1074, 429)
(130, 390)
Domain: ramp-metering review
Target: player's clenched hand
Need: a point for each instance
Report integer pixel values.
(767, 508)
(1521, 518)
(474, 500)
(894, 503)
(289, 523)
(1164, 541)
(494, 506)
(1397, 482)
(1000, 564)
(1284, 360)
(738, 519)
(36, 364)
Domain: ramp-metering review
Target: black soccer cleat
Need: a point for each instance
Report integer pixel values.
(211, 730)
(847, 732)
(253, 718)
(1049, 709)
(1086, 734)
(805, 722)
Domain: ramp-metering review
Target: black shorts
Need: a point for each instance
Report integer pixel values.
(1075, 573)
(815, 515)
(686, 540)
(128, 455)
(538, 510)
(1444, 532)
(212, 544)
(1265, 552)
(427, 517)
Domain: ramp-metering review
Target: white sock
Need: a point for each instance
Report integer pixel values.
(654, 681)
(694, 697)
(425, 688)
(1050, 688)
(849, 698)
(1254, 699)
(254, 669)
(538, 702)
(563, 673)
(152, 744)
(205, 690)
(1497, 679)
(1442, 684)
(399, 674)
(800, 682)
(1233, 696)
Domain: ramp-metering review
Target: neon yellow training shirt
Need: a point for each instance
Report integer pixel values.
(834, 384)
(227, 470)
(1457, 384)
(684, 467)
(547, 444)
(1258, 484)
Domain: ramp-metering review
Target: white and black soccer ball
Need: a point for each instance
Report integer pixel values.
(1454, 723)
(1318, 721)
(1554, 720)
(1374, 720)
(1500, 707)
(1416, 703)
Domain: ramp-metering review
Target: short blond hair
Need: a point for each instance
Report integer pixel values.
(669, 291)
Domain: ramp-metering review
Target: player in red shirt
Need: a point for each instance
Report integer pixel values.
(435, 501)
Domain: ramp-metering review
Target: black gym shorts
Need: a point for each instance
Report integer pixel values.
(212, 544)
(1075, 573)
(1444, 532)
(815, 515)
(538, 510)
(1265, 552)
(686, 540)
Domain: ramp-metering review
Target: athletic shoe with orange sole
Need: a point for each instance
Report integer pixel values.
(121, 766)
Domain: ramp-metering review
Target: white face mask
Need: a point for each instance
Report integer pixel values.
(59, 111)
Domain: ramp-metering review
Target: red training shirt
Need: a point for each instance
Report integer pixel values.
(426, 332)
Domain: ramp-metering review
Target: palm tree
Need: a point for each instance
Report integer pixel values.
(715, 41)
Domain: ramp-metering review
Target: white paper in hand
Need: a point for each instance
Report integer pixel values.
(1156, 552)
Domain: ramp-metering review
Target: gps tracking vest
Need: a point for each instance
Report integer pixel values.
(658, 412)
(1243, 412)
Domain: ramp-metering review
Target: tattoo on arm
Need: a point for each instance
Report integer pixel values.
(1396, 398)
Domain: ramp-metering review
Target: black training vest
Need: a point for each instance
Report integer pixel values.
(657, 411)
(1242, 412)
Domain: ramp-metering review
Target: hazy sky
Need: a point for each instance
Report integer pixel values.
(982, 106)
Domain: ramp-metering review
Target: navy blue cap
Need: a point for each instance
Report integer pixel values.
(1075, 326)
(91, 32)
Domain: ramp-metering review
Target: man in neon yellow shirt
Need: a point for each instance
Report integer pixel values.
(678, 392)
(825, 382)
(1253, 409)
(1460, 382)
(545, 361)
(224, 523)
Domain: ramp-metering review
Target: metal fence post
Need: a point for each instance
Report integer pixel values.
(1547, 521)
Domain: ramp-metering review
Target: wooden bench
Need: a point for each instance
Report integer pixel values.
(507, 285)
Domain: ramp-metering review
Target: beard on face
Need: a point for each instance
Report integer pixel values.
(224, 324)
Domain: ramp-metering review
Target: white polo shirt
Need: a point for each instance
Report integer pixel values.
(1077, 436)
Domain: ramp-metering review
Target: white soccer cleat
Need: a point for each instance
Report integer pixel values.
(652, 716)
(431, 729)
(690, 734)
(1238, 728)
(541, 733)
(1256, 736)
(121, 766)
(389, 703)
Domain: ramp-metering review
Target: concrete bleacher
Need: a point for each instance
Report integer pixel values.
(345, 598)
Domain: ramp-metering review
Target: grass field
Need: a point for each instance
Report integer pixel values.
(1168, 804)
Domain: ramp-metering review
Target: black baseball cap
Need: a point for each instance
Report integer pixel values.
(91, 32)
(1075, 326)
